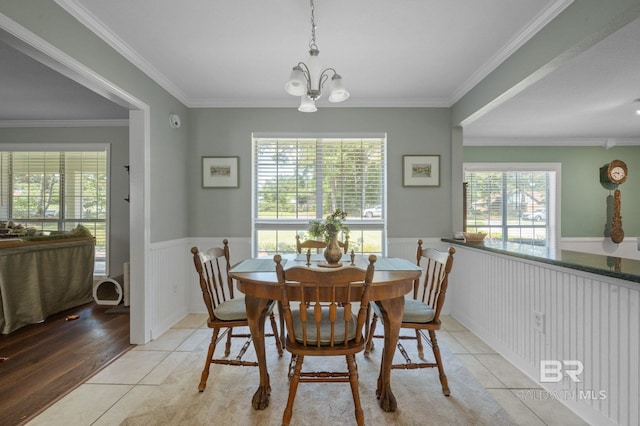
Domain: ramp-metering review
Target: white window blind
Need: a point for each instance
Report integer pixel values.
(513, 202)
(55, 191)
(299, 179)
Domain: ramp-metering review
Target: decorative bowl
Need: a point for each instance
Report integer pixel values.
(474, 237)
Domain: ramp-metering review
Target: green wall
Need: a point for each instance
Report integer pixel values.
(412, 212)
(583, 198)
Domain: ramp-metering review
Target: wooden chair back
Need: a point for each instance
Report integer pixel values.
(431, 287)
(315, 244)
(225, 311)
(324, 324)
(422, 314)
(213, 271)
(324, 294)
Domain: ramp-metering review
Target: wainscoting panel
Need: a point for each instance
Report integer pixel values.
(170, 284)
(587, 318)
(175, 291)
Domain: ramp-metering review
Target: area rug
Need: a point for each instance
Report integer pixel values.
(227, 398)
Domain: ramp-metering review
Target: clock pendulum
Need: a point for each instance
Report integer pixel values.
(617, 234)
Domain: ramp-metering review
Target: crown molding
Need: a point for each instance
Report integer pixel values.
(92, 23)
(293, 102)
(399, 103)
(64, 123)
(602, 142)
(539, 22)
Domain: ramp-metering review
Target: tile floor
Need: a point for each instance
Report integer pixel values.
(108, 397)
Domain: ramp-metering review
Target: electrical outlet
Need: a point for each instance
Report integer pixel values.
(538, 321)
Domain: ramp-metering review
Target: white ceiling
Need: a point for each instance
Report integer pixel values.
(215, 53)
(592, 96)
(240, 53)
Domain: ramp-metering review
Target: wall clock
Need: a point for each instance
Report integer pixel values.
(617, 171)
(612, 175)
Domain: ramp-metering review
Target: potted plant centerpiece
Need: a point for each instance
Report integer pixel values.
(329, 229)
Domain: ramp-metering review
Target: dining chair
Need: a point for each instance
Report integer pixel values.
(324, 324)
(315, 244)
(226, 311)
(422, 311)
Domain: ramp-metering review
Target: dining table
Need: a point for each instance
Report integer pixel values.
(393, 278)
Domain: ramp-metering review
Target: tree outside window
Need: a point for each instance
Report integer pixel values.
(55, 191)
(299, 179)
(511, 204)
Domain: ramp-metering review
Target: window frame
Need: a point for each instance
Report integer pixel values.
(73, 147)
(553, 227)
(297, 225)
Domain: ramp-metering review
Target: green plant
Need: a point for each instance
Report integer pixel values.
(330, 227)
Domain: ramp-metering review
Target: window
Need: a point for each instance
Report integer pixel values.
(299, 179)
(512, 202)
(54, 191)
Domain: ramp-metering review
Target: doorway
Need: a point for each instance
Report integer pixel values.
(139, 154)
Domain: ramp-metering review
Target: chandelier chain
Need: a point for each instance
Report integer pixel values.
(308, 79)
(312, 43)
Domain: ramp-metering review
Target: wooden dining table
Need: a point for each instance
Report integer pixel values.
(393, 278)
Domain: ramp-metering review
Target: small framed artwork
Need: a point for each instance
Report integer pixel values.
(421, 170)
(219, 172)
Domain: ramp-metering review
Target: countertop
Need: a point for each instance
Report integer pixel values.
(621, 268)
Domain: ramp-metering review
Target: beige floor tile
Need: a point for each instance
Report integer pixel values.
(479, 371)
(506, 372)
(446, 339)
(130, 368)
(132, 402)
(519, 412)
(169, 340)
(198, 341)
(451, 324)
(472, 343)
(548, 408)
(138, 381)
(174, 361)
(192, 321)
(82, 406)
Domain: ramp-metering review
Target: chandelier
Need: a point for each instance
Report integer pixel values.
(308, 79)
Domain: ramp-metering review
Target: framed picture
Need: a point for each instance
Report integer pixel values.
(421, 170)
(219, 172)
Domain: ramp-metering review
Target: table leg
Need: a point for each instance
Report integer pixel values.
(256, 316)
(392, 310)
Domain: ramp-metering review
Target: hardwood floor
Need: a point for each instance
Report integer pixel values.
(48, 360)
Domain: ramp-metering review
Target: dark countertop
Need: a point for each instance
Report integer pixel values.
(622, 268)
